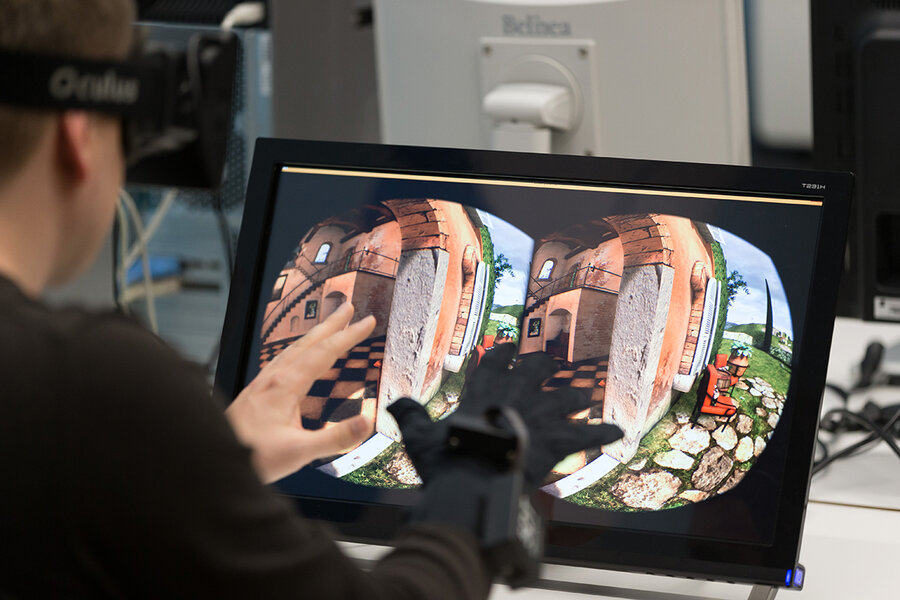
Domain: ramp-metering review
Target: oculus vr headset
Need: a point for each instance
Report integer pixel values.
(175, 104)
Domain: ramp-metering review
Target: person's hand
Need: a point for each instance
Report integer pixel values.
(480, 464)
(493, 384)
(266, 414)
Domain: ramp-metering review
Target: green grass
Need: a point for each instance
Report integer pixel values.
(491, 328)
(453, 382)
(757, 331)
(761, 365)
(451, 386)
(656, 441)
(374, 474)
(598, 496)
(770, 369)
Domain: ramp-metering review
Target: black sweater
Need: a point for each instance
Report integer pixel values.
(121, 478)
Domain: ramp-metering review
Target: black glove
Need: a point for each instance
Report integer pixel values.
(492, 386)
(480, 463)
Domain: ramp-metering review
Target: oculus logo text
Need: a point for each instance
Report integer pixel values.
(67, 83)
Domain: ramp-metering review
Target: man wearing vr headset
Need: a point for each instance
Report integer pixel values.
(119, 476)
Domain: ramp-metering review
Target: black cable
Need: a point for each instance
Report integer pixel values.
(852, 450)
(824, 449)
(885, 433)
(844, 394)
(116, 233)
(870, 365)
(225, 232)
(868, 369)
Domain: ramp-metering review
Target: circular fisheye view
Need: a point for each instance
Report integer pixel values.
(678, 330)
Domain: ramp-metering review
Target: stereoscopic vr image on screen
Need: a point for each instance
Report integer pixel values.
(692, 303)
(678, 330)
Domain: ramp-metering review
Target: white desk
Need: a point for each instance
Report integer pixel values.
(851, 540)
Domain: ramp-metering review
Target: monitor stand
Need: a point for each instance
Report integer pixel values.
(366, 556)
(757, 592)
(762, 592)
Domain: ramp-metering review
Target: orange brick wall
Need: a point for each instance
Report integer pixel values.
(469, 265)
(461, 234)
(593, 316)
(422, 223)
(699, 279)
(645, 239)
(688, 248)
(384, 242)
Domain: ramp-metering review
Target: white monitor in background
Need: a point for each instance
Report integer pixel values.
(778, 43)
(626, 78)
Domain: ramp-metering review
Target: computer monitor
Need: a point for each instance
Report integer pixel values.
(778, 61)
(694, 303)
(625, 78)
(323, 70)
(856, 127)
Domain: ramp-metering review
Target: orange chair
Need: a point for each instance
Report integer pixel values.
(714, 393)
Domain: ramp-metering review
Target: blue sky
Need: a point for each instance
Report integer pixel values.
(756, 268)
(517, 248)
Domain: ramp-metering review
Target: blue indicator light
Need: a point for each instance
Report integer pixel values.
(787, 578)
(798, 577)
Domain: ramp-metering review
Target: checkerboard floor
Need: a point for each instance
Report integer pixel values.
(270, 351)
(349, 388)
(586, 374)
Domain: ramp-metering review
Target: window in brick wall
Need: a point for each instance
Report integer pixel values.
(322, 254)
(546, 269)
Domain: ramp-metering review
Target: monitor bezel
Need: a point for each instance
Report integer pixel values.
(611, 548)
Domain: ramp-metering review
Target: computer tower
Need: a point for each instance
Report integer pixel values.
(856, 127)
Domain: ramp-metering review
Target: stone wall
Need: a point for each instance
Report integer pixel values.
(652, 322)
(428, 299)
(411, 331)
(595, 319)
(640, 323)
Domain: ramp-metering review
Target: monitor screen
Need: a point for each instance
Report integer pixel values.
(694, 303)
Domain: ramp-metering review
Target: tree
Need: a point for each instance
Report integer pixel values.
(502, 267)
(735, 283)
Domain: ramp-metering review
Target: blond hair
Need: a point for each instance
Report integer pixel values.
(73, 28)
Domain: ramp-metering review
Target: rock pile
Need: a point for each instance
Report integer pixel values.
(706, 458)
(700, 460)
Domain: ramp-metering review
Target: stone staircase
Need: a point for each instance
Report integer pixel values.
(535, 306)
(289, 307)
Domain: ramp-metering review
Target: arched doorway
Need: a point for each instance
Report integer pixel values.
(559, 323)
(331, 303)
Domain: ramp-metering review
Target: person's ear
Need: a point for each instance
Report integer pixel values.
(74, 143)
